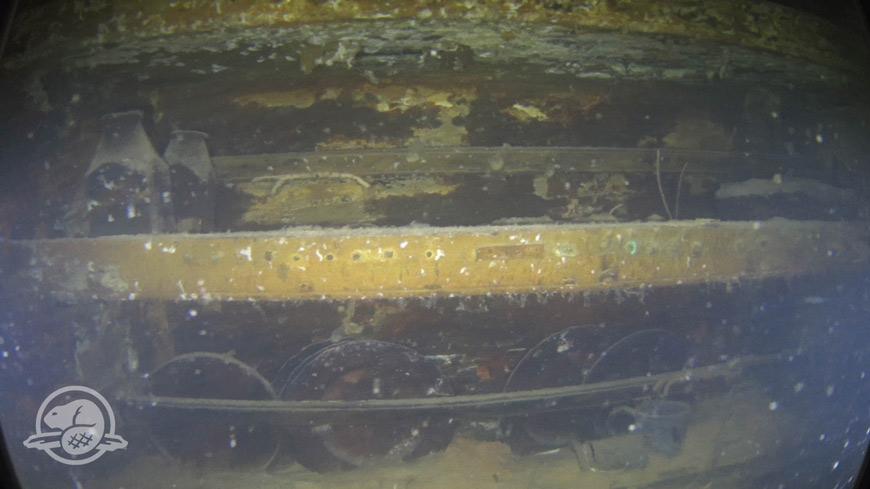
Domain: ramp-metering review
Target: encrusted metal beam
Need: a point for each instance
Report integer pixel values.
(411, 261)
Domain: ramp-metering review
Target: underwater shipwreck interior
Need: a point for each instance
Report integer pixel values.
(408, 244)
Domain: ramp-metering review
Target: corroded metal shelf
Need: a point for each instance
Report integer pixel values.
(423, 261)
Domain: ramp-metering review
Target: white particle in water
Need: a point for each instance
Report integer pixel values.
(798, 387)
(246, 252)
(192, 313)
(773, 406)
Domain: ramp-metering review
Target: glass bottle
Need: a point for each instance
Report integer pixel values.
(193, 181)
(127, 189)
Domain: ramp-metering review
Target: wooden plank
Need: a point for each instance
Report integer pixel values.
(465, 160)
(412, 261)
(435, 185)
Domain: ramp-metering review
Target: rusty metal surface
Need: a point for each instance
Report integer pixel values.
(409, 261)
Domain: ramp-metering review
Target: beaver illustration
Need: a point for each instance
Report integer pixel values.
(82, 425)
